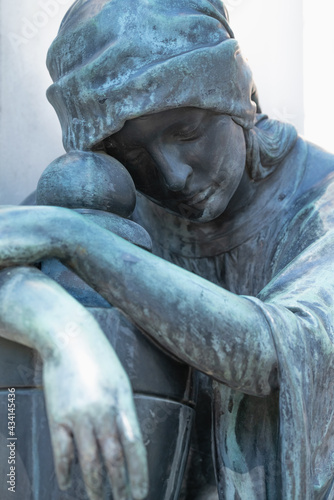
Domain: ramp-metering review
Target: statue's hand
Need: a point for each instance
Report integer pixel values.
(89, 402)
(88, 394)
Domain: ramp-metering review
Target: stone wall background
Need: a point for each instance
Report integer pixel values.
(271, 33)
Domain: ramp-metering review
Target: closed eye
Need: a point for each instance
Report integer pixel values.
(134, 155)
(187, 134)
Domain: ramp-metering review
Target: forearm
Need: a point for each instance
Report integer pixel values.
(87, 393)
(38, 313)
(218, 332)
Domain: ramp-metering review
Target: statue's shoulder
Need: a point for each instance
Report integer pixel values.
(319, 167)
(314, 198)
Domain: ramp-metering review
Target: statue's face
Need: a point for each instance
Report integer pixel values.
(188, 160)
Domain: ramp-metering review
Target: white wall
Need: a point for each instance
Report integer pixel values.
(30, 133)
(319, 72)
(270, 33)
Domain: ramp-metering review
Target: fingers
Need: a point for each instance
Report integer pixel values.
(135, 453)
(63, 452)
(113, 455)
(90, 461)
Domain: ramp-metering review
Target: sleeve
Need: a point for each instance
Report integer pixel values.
(299, 307)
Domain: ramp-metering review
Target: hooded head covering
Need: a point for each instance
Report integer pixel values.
(114, 60)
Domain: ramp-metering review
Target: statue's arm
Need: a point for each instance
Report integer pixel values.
(88, 394)
(220, 333)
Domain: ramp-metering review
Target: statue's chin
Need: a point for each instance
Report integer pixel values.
(193, 214)
(207, 211)
(199, 218)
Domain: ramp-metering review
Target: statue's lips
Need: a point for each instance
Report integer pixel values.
(172, 200)
(198, 197)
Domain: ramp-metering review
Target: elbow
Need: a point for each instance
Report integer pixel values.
(257, 376)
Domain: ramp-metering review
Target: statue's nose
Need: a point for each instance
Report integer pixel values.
(176, 175)
(173, 170)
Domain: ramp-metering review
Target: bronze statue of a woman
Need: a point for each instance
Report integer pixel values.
(240, 283)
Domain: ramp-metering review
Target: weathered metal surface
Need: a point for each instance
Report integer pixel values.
(87, 180)
(17, 365)
(34, 468)
(244, 209)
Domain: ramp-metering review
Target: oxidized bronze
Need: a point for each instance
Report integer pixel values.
(234, 292)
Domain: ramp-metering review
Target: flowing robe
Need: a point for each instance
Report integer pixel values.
(280, 254)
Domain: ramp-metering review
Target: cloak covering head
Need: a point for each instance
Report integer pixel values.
(114, 60)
